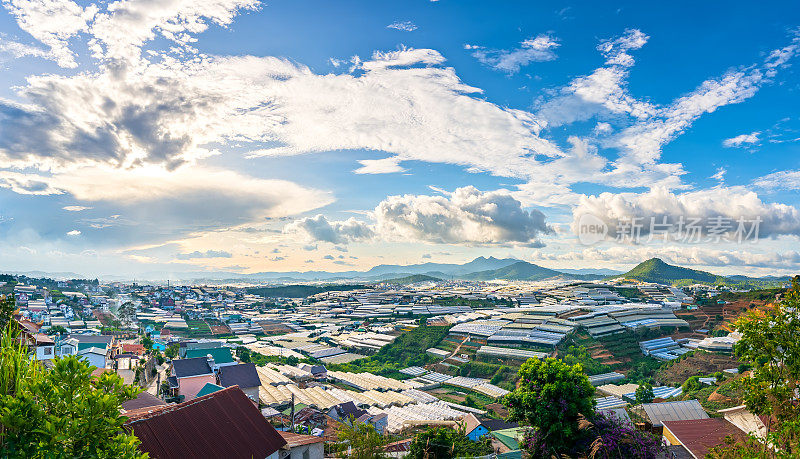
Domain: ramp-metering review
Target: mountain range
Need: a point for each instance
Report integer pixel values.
(479, 269)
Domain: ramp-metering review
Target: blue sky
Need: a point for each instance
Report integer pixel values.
(143, 136)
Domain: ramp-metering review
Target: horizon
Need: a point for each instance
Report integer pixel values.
(239, 137)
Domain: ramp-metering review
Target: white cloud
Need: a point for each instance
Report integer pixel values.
(406, 26)
(206, 254)
(465, 216)
(75, 208)
(73, 233)
(17, 50)
(740, 140)
(720, 174)
(379, 166)
(535, 49)
(318, 228)
(53, 23)
(731, 203)
(781, 180)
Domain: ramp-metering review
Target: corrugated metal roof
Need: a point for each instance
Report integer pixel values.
(674, 411)
(700, 435)
(222, 424)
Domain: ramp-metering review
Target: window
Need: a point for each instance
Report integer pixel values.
(48, 351)
(306, 454)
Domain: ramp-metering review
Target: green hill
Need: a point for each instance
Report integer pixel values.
(518, 271)
(655, 270)
(412, 279)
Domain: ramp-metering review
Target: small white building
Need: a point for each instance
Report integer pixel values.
(94, 356)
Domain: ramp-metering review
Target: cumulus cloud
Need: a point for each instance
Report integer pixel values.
(742, 140)
(318, 228)
(465, 216)
(73, 233)
(535, 49)
(703, 209)
(206, 254)
(405, 26)
(380, 166)
(678, 255)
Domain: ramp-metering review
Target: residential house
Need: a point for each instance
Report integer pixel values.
(94, 356)
(243, 375)
(208, 389)
(301, 446)
(698, 436)
(686, 410)
(343, 412)
(217, 357)
(317, 371)
(221, 424)
(191, 375)
(45, 347)
(476, 428)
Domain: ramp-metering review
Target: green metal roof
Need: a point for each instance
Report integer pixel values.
(209, 389)
(219, 354)
(510, 437)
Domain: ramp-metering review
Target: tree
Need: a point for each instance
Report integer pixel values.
(446, 442)
(770, 344)
(57, 330)
(362, 441)
(147, 342)
(607, 436)
(63, 412)
(7, 307)
(644, 394)
(550, 397)
(171, 351)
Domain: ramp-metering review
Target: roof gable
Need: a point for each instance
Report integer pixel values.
(219, 354)
(221, 424)
(243, 375)
(185, 368)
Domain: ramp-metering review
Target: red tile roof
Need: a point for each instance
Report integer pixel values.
(221, 424)
(700, 435)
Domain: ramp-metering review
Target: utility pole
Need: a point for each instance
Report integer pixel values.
(292, 411)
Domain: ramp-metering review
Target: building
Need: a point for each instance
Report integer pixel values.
(190, 375)
(221, 424)
(243, 375)
(301, 446)
(698, 436)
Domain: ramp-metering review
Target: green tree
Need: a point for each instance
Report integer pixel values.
(63, 412)
(57, 330)
(551, 396)
(361, 441)
(147, 342)
(644, 394)
(7, 307)
(171, 351)
(770, 344)
(445, 443)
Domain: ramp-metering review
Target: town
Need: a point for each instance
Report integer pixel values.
(290, 373)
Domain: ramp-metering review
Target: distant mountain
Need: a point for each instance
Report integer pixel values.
(412, 279)
(521, 270)
(594, 271)
(656, 270)
(448, 269)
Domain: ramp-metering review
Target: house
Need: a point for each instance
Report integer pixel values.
(221, 424)
(698, 436)
(686, 410)
(94, 356)
(126, 361)
(317, 371)
(45, 347)
(208, 389)
(143, 401)
(380, 421)
(476, 428)
(301, 446)
(217, 356)
(345, 411)
(507, 440)
(243, 375)
(191, 375)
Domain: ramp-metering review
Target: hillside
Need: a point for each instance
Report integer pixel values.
(521, 270)
(412, 279)
(655, 270)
